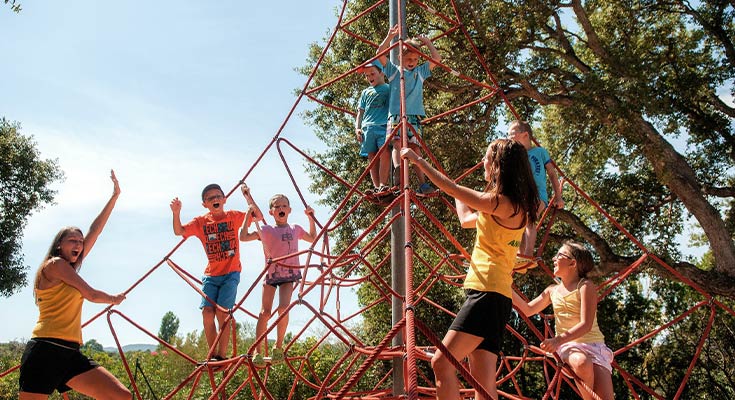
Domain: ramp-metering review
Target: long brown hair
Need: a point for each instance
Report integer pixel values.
(55, 251)
(510, 175)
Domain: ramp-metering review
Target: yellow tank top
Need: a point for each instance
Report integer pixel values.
(567, 311)
(60, 313)
(493, 258)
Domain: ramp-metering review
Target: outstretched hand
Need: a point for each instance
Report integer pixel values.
(115, 184)
(175, 205)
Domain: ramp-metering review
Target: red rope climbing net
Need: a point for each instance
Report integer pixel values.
(327, 277)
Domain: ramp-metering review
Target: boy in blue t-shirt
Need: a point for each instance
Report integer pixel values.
(414, 76)
(520, 131)
(371, 123)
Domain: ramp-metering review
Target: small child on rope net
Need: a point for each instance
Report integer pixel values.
(52, 360)
(541, 165)
(500, 214)
(217, 230)
(371, 123)
(414, 75)
(279, 241)
(578, 339)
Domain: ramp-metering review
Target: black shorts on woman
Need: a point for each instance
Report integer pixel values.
(484, 314)
(48, 364)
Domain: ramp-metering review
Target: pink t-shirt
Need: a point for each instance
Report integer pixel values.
(279, 241)
(219, 236)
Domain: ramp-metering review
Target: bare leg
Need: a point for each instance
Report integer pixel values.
(284, 299)
(210, 329)
(224, 340)
(483, 365)
(99, 383)
(374, 170)
(459, 344)
(419, 174)
(603, 383)
(384, 168)
(265, 314)
(583, 367)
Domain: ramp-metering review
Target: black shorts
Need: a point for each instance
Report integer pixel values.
(484, 314)
(48, 363)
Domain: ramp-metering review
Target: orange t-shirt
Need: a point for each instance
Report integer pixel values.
(220, 239)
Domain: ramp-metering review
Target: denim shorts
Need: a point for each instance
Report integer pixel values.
(222, 289)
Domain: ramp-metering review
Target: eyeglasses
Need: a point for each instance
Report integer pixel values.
(214, 197)
(562, 255)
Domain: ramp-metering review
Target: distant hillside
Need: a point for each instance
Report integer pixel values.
(133, 347)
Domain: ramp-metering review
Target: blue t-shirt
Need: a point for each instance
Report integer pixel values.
(374, 100)
(414, 88)
(539, 157)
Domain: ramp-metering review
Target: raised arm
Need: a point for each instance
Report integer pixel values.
(588, 297)
(59, 269)
(99, 223)
(176, 211)
(467, 216)
(256, 213)
(556, 201)
(245, 234)
(480, 201)
(311, 235)
(392, 32)
(435, 56)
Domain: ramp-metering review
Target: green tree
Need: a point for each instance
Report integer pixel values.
(25, 180)
(169, 327)
(92, 345)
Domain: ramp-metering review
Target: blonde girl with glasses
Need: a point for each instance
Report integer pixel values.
(578, 339)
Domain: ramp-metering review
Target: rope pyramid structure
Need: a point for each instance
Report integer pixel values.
(393, 364)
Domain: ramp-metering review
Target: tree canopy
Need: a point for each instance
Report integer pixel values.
(25, 186)
(630, 98)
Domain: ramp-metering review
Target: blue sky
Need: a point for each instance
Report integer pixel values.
(171, 94)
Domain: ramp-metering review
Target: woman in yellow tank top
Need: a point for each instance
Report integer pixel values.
(578, 339)
(500, 214)
(52, 360)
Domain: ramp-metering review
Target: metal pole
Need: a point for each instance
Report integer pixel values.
(398, 240)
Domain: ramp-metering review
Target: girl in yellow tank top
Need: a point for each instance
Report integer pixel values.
(51, 360)
(499, 213)
(578, 339)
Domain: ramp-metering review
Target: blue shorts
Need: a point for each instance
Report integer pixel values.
(413, 120)
(222, 289)
(484, 314)
(48, 364)
(373, 137)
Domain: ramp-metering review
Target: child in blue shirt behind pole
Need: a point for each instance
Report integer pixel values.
(414, 76)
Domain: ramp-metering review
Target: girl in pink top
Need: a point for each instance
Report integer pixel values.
(578, 339)
(279, 240)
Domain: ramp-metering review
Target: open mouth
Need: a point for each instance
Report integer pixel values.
(282, 214)
(215, 205)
